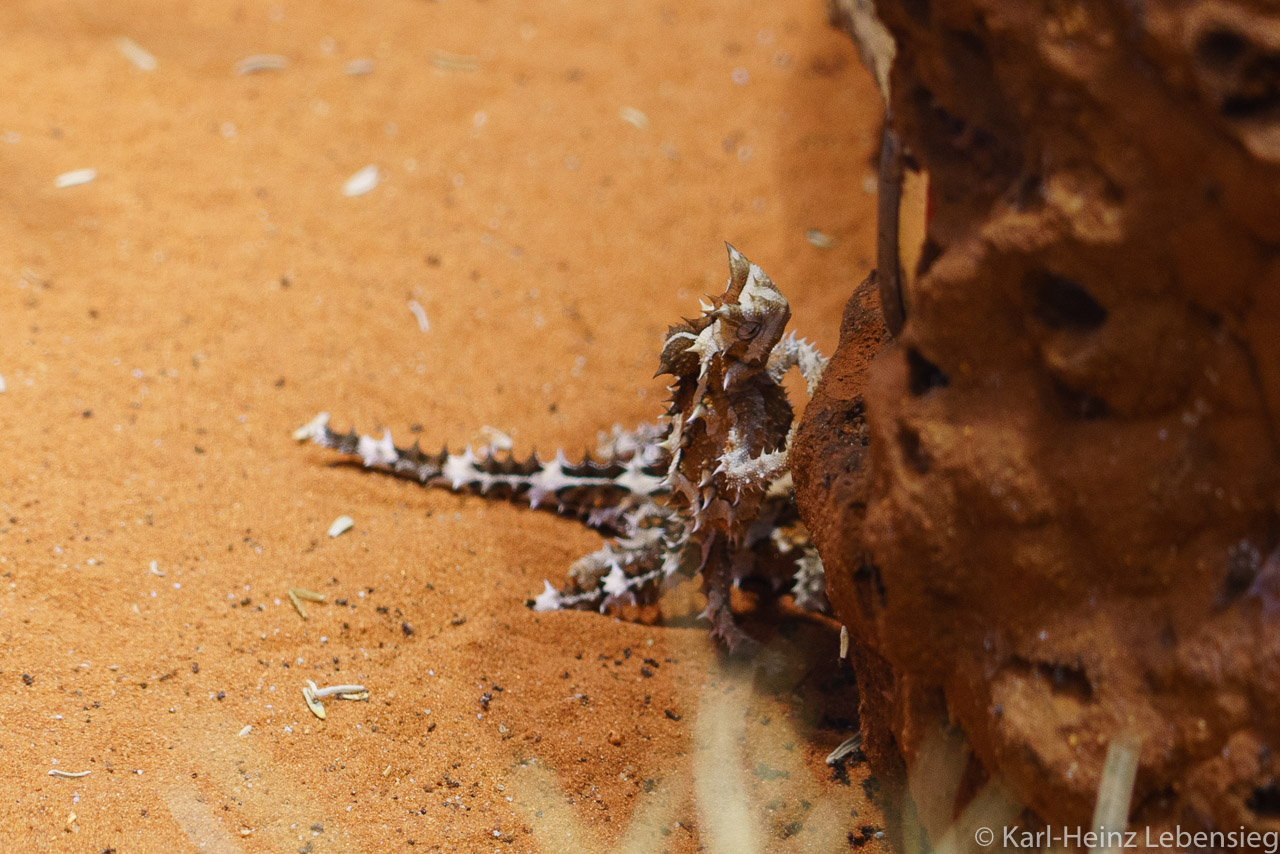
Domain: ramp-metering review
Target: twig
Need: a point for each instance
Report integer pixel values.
(314, 694)
(309, 694)
(454, 61)
(888, 229)
(261, 62)
(297, 605)
(420, 315)
(338, 690)
(849, 745)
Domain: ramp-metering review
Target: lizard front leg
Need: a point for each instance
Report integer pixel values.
(792, 352)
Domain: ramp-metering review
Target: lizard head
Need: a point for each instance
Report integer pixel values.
(741, 326)
(752, 313)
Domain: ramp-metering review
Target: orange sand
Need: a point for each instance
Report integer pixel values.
(164, 328)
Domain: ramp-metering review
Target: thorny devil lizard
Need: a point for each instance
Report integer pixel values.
(705, 490)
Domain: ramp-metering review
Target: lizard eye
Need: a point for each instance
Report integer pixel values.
(748, 330)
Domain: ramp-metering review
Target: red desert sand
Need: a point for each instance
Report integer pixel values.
(433, 217)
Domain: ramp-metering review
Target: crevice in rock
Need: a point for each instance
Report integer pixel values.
(930, 252)
(1079, 404)
(870, 589)
(912, 452)
(1063, 304)
(1063, 679)
(1264, 801)
(1220, 49)
(923, 375)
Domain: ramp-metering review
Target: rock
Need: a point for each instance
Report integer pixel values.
(1050, 511)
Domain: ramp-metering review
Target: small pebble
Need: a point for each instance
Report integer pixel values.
(341, 525)
(820, 239)
(361, 182)
(634, 117)
(135, 53)
(496, 439)
(75, 178)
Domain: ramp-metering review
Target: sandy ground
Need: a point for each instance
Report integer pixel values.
(164, 327)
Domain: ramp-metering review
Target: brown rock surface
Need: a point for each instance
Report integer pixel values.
(1065, 522)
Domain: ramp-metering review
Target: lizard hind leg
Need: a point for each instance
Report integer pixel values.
(643, 443)
(627, 570)
(810, 585)
(717, 586)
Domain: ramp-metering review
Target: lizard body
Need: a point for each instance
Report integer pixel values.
(705, 491)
